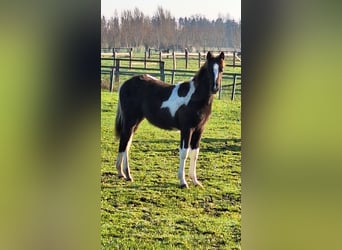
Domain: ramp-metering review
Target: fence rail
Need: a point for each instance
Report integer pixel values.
(127, 52)
(199, 56)
(118, 69)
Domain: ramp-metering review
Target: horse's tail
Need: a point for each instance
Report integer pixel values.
(118, 120)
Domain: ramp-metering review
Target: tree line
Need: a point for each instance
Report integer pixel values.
(163, 31)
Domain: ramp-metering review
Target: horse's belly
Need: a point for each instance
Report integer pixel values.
(162, 123)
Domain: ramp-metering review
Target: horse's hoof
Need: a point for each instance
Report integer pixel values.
(129, 179)
(198, 184)
(120, 176)
(184, 186)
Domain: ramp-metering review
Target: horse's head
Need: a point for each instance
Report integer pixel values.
(215, 70)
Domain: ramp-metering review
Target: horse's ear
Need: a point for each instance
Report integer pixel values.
(222, 55)
(209, 55)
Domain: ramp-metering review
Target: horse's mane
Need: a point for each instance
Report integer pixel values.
(200, 71)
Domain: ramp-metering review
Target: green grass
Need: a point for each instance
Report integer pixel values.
(153, 212)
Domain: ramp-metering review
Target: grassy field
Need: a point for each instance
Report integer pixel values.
(153, 212)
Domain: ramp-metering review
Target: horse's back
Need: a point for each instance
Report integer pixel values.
(143, 95)
(143, 85)
(143, 90)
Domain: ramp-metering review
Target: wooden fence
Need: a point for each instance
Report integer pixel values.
(186, 55)
(127, 52)
(118, 69)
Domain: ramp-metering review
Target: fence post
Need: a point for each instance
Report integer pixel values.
(162, 70)
(174, 67)
(199, 59)
(234, 55)
(220, 90)
(114, 56)
(117, 70)
(234, 87)
(145, 59)
(186, 58)
(111, 79)
(160, 56)
(149, 53)
(130, 57)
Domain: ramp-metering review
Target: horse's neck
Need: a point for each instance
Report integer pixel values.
(202, 92)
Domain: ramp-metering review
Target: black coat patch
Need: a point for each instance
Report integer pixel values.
(183, 89)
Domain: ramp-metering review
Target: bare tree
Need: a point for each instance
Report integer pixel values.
(164, 26)
(113, 31)
(104, 33)
(134, 29)
(126, 28)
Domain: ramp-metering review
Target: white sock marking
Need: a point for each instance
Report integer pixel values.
(175, 102)
(192, 170)
(183, 154)
(125, 161)
(126, 166)
(122, 163)
(119, 164)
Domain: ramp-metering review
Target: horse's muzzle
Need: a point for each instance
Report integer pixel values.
(215, 88)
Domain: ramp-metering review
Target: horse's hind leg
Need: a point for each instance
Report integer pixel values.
(122, 163)
(183, 155)
(123, 155)
(194, 143)
(119, 160)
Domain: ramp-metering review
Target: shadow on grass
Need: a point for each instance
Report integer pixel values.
(152, 186)
(220, 144)
(111, 180)
(207, 144)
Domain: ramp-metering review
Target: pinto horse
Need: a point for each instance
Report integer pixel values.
(185, 106)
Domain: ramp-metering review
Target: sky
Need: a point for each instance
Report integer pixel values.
(178, 8)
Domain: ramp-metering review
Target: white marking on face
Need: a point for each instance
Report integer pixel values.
(175, 102)
(216, 71)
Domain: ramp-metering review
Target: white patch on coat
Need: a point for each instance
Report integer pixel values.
(175, 101)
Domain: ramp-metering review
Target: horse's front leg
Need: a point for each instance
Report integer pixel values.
(195, 140)
(183, 155)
